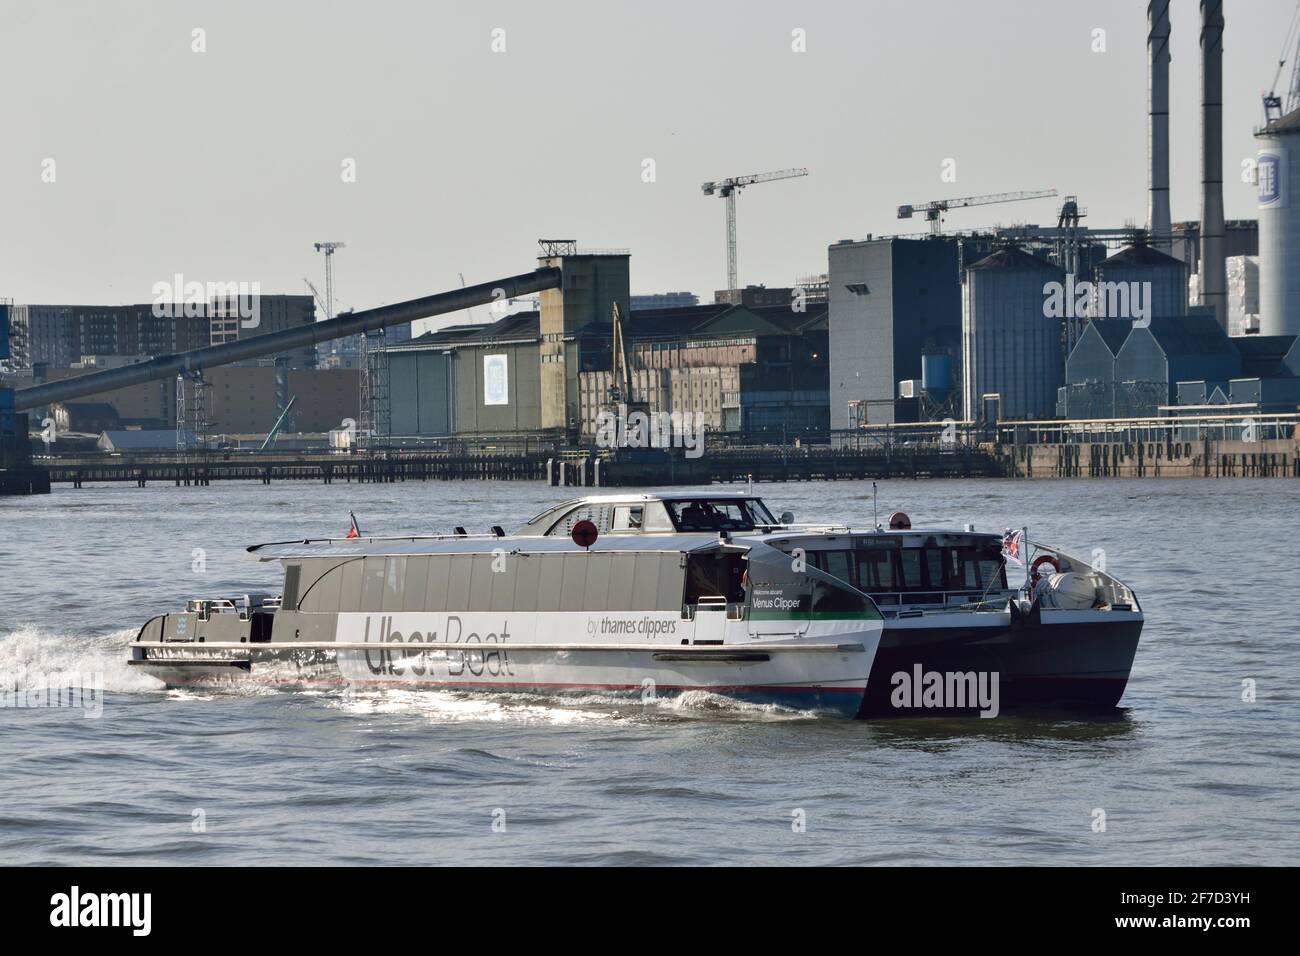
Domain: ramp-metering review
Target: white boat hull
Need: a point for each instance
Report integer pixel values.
(823, 668)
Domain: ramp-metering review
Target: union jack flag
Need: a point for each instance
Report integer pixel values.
(1011, 543)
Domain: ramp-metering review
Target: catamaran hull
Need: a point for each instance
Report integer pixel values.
(1070, 660)
(823, 669)
(1066, 660)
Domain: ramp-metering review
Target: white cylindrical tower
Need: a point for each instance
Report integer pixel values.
(1278, 173)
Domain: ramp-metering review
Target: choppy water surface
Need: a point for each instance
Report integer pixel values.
(1189, 773)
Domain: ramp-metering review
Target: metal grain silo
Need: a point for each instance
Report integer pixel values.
(1166, 294)
(1010, 345)
(936, 374)
(1278, 170)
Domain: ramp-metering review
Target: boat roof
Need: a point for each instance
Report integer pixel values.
(481, 544)
(612, 542)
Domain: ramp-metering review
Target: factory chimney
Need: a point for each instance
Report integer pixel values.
(1158, 220)
(1213, 267)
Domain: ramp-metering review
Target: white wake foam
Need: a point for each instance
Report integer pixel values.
(33, 659)
(452, 706)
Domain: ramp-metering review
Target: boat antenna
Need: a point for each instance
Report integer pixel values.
(875, 519)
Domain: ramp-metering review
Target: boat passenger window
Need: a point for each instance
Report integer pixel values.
(292, 574)
(596, 514)
(655, 518)
(323, 593)
(574, 583)
(978, 568)
(372, 584)
(875, 570)
(909, 570)
(828, 599)
(934, 568)
(839, 564)
(394, 580)
(719, 514)
(715, 575)
(350, 589)
(435, 595)
(480, 582)
(622, 583)
(550, 581)
(626, 518)
(416, 584)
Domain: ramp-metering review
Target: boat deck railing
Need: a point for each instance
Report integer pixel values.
(243, 606)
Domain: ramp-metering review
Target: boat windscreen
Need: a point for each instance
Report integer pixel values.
(719, 514)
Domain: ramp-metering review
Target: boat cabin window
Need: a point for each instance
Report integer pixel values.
(930, 570)
(627, 518)
(655, 517)
(595, 513)
(717, 574)
(719, 514)
(827, 599)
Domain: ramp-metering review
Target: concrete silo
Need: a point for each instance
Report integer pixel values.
(1009, 344)
(1141, 264)
(1279, 226)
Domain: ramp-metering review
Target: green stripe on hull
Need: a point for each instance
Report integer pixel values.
(815, 616)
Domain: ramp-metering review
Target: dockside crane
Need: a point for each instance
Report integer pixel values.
(935, 208)
(727, 189)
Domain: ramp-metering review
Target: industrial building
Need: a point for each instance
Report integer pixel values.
(757, 370)
(1089, 391)
(1156, 357)
(665, 300)
(891, 300)
(233, 399)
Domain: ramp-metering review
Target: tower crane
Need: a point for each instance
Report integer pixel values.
(328, 248)
(727, 189)
(935, 208)
(1274, 105)
(320, 300)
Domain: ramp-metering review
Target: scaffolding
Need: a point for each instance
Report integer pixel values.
(376, 412)
(192, 413)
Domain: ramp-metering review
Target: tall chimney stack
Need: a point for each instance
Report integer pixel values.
(1213, 267)
(1158, 220)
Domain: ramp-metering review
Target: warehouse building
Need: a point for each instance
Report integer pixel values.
(1156, 357)
(1089, 391)
(759, 370)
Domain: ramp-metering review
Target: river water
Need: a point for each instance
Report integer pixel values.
(1187, 773)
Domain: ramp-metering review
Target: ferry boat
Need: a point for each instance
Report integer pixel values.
(657, 595)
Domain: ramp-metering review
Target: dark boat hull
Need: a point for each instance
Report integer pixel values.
(1069, 661)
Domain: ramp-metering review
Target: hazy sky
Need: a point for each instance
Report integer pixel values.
(226, 165)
